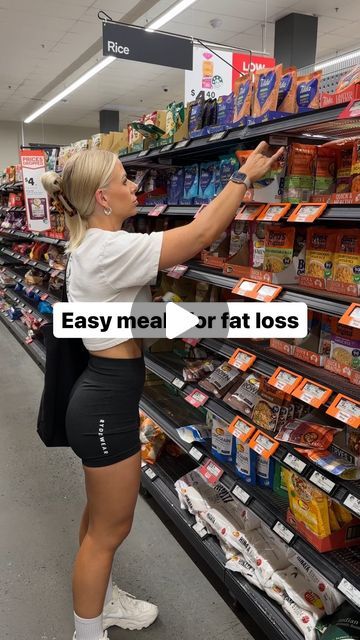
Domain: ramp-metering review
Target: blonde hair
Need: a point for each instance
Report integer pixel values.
(74, 190)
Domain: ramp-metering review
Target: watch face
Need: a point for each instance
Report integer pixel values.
(238, 176)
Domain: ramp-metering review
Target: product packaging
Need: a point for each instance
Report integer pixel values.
(345, 345)
(257, 244)
(344, 156)
(279, 247)
(196, 112)
(299, 181)
(228, 166)
(266, 412)
(287, 91)
(333, 464)
(265, 470)
(242, 397)
(244, 460)
(349, 78)
(325, 172)
(266, 90)
(176, 186)
(207, 181)
(220, 381)
(225, 110)
(308, 91)
(320, 250)
(347, 257)
(242, 97)
(221, 439)
(310, 435)
(191, 181)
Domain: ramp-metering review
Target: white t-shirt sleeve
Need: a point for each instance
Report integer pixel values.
(131, 259)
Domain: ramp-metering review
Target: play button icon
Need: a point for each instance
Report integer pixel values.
(178, 320)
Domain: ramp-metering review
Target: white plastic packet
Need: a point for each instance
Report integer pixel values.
(302, 618)
(274, 592)
(259, 552)
(194, 492)
(330, 596)
(238, 564)
(296, 586)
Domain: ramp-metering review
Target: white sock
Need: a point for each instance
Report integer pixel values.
(108, 594)
(89, 628)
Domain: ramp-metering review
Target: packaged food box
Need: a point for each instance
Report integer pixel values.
(347, 257)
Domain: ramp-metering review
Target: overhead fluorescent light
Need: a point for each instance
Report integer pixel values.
(174, 11)
(338, 60)
(72, 87)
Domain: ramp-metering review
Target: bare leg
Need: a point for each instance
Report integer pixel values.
(84, 525)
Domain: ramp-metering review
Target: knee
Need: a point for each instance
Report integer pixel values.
(111, 537)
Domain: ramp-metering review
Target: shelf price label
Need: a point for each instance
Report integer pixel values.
(177, 382)
(285, 380)
(274, 212)
(283, 532)
(351, 316)
(295, 463)
(211, 471)
(241, 494)
(261, 291)
(325, 484)
(197, 398)
(182, 144)
(241, 429)
(312, 393)
(306, 212)
(166, 147)
(143, 153)
(351, 592)
(352, 503)
(178, 271)
(345, 409)
(263, 444)
(150, 474)
(200, 529)
(196, 454)
(242, 359)
(158, 210)
(217, 136)
(249, 212)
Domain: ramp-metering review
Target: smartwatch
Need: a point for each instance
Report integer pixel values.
(241, 178)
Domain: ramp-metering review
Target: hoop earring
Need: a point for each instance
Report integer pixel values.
(108, 211)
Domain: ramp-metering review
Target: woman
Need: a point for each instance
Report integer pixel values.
(106, 265)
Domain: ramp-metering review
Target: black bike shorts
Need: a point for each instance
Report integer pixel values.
(102, 419)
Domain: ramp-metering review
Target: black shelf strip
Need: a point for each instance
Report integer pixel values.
(34, 237)
(16, 277)
(269, 617)
(37, 264)
(13, 186)
(35, 349)
(339, 489)
(290, 293)
(269, 507)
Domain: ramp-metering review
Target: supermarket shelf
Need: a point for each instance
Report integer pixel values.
(339, 489)
(18, 330)
(13, 186)
(37, 264)
(268, 616)
(34, 237)
(21, 302)
(177, 211)
(18, 278)
(330, 304)
(269, 507)
(293, 125)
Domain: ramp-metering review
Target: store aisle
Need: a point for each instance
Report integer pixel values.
(41, 501)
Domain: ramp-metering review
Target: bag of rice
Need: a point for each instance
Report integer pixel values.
(330, 596)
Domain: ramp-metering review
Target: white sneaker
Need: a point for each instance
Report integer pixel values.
(125, 611)
(104, 637)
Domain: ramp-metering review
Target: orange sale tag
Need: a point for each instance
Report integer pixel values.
(241, 429)
(263, 444)
(345, 409)
(306, 212)
(158, 210)
(267, 292)
(351, 316)
(285, 380)
(242, 359)
(274, 211)
(312, 393)
(249, 212)
(244, 287)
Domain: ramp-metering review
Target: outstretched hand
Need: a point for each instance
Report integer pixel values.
(259, 162)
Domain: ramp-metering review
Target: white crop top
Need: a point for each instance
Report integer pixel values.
(113, 266)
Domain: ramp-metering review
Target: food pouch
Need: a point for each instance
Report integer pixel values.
(220, 381)
(225, 109)
(299, 181)
(347, 257)
(266, 411)
(191, 181)
(228, 165)
(207, 180)
(265, 470)
(344, 158)
(244, 460)
(287, 91)
(266, 90)
(242, 396)
(309, 505)
(221, 440)
(242, 97)
(279, 246)
(337, 466)
(345, 345)
(306, 434)
(320, 249)
(325, 173)
(257, 244)
(351, 77)
(196, 112)
(307, 93)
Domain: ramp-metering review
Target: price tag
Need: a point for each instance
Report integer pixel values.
(240, 494)
(294, 463)
(178, 271)
(351, 592)
(166, 147)
(249, 212)
(283, 532)
(306, 212)
(211, 471)
(263, 444)
(32, 263)
(278, 141)
(143, 464)
(352, 503)
(18, 279)
(323, 483)
(150, 474)
(156, 211)
(345, 409)
(182, 144)
(241, 429)
(200, 209)
(242, 359)
(217, 136)
(196, 454)
(312, 393)
(274, 212)
(285, 380)
(197, 398)
(177, 382)
(245, 286)
(26, 260)
(44, 296)
(143, 153)
(351, 316)
(266, 292)
(200, 529)
(28, 340)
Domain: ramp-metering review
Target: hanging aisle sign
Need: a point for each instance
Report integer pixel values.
(135, 43)
(36, 199)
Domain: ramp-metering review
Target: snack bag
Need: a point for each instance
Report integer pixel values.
(347, 257)
(309, 505)
(344, 157)
(299, 182)
(266, 411)
(287, 91)
(345, 345)
(325, 172)
(266, 90)
(191, 181)
(355, 168)
(244, 460)
(307, 93)
(196, 112)
(242, 396)
(228, 165)
(265, 470)
(320, 249)
(207, 180)
(337, 466)
(220, 380)
(242, 97)
(350, 78)
(225, 109)
(221, 439)
(279, 246)
(310, 435)
(330, 596)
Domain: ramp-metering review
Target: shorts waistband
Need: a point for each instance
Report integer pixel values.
(114, 365)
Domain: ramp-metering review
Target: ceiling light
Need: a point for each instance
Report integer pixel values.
(344, 58)
(177, 8)
(72, 87)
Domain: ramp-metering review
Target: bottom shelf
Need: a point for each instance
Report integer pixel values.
(269, 617)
